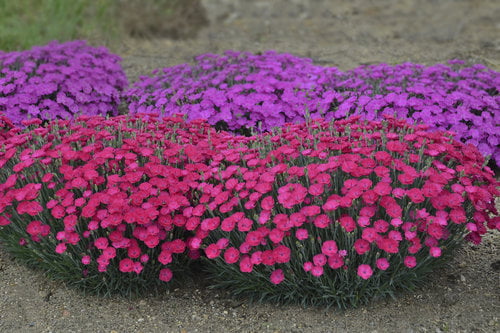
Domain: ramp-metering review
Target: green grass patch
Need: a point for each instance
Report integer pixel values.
(24, 23)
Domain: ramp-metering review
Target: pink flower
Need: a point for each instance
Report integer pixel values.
(329, 248)
(138, 267)
(382, 263)
(382, 189)
(256, 257)
(109, 252)
(194, 243)
(61, 248)
(246, 265)
(322, 221)
(134, 251)
(319, 260)
(317, 271)
(165, 257)
(365, 271)
(398, 192)
(29, 207)
(347, 223)
(297, 219)
(301, 234)
(396, 222)
(245, 225)
(126, 265)
(308, 266)
(267, 203)
(281, 254)
(222, 243)
(415, 195)
(276, 235)
(363, 221)
(369, 234)
(194, 254)
(166, 275)
(335, 261)
(435, 251)
(291, 195)
(388, 245)
(310, 210)
(277, 276)
(101, 243)
(410, 261)
(34, 228)
(212, 251)
(381, 226)
(231, 255)
(361, 246)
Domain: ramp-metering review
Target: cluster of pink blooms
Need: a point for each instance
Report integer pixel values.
(124, 184)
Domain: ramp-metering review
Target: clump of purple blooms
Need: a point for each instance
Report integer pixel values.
(262, 91)
(243, 90)
(464, 100)
(60, 80)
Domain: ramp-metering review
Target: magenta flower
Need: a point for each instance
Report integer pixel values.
(410, 261)
(165, 275)
(382, 264)
(277, 276)
(365, 271)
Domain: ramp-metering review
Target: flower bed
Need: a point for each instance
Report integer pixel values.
(60, 81)
(318, 213)
(242, 91)
(461, 99)
(239, 90)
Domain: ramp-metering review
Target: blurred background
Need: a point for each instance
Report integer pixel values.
(157, 33)
(24, 23)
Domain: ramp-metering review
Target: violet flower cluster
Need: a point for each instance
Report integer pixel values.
(59, 81)
(464, 100)
(263, 91)
(259, 91)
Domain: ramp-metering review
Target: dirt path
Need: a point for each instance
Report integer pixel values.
(462, 298)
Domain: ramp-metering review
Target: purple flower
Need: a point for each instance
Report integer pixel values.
(74, 76)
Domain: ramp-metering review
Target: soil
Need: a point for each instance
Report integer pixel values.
(464, 297)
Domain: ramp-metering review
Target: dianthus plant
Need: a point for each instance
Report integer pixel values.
(59, 81)
(319, 213)
(341, 213)
(237, 90)
(96, 202)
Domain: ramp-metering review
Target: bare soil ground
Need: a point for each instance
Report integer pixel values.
(462, 298)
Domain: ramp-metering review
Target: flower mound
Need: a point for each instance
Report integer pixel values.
(341, 213)
(461, 99)
(59, 81)
(237, 90)
(98, 203)
(242, 91)
(318, 213)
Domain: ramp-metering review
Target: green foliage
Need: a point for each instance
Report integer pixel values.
(24, 23)
(338, 288)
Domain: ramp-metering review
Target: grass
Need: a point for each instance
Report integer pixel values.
(25, 23)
